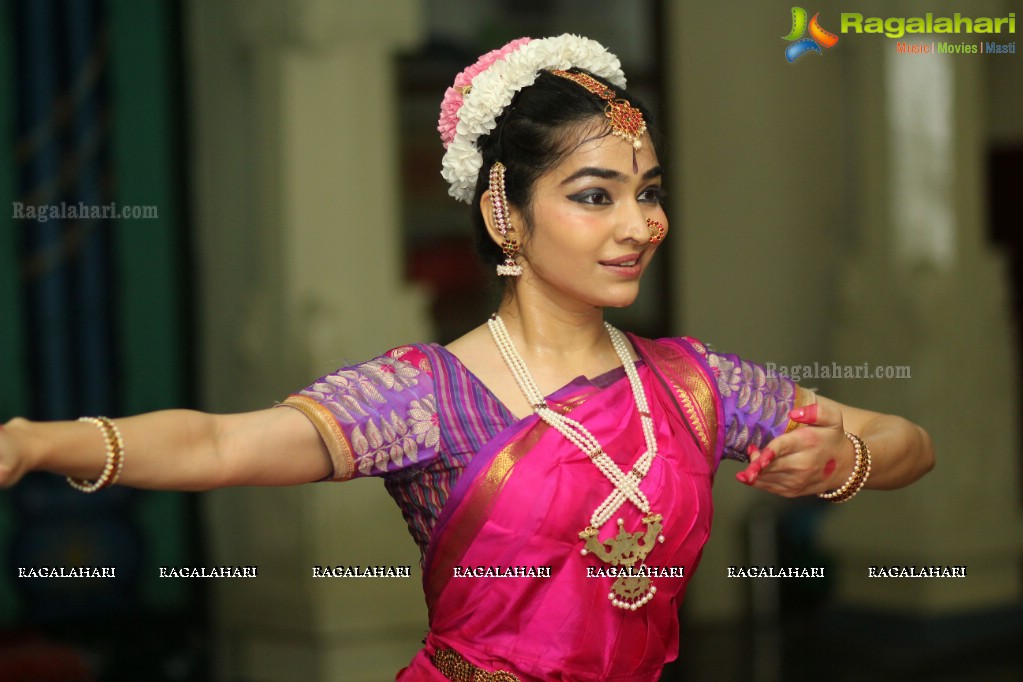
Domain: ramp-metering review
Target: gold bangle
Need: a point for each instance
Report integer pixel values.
(115, 457)
(857, 479)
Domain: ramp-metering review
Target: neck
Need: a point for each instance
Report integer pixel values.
(543, 328)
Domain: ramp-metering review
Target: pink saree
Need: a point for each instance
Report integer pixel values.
(522, 502)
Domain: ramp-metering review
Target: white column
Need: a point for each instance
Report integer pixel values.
(796, 240)
(924, 288)
(297, 193)
(756, 216)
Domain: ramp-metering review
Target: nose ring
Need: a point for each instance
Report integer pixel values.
(657, 231)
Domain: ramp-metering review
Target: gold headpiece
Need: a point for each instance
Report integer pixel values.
(626, 120)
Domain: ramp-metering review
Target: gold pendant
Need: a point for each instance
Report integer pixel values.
(626, 550)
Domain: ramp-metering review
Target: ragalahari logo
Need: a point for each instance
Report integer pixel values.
(818, 36)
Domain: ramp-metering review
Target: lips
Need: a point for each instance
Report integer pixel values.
(623, 261)
(628, 267)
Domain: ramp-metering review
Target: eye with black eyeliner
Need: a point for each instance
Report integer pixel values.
(654, 195)
(595, 197)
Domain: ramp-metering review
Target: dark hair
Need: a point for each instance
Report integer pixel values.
(543, 124)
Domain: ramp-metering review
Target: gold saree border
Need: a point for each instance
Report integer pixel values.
(334, 438)
(692, 389)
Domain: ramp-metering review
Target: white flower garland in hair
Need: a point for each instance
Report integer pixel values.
(493, 90)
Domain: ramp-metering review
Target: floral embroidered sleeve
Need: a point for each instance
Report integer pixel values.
(377, 417)
(755, 402)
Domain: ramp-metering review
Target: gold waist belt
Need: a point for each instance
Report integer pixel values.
(454, 667)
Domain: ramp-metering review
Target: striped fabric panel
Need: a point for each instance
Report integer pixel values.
(470, 416)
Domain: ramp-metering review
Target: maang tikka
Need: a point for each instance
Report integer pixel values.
(626, 121)
(499, 205)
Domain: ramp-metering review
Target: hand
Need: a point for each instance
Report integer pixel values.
(807, 460)
(12, 464)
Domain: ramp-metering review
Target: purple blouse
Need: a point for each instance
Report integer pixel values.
(416, 415)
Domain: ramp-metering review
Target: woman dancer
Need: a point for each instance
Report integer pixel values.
(544, 444)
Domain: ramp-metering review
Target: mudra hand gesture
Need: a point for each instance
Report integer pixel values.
(822, 455)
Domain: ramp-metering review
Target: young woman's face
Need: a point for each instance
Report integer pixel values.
(590, 240)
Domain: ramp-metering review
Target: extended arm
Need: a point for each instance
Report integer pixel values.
(174, 449)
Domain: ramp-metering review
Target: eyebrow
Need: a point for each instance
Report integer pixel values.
(609, 174)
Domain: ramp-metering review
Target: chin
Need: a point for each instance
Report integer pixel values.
(621, 301)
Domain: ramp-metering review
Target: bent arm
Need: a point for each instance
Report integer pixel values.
(900, 451)
(818, 457)
(174, 449)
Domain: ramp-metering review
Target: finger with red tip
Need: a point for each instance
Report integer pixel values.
(746, 475)
(754, 469)
(804, 415)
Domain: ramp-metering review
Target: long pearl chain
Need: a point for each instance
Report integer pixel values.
(626, 485)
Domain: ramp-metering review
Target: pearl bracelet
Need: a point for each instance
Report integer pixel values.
(857, 479)
(115, 457)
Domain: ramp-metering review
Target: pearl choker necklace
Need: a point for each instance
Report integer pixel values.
(625, 549)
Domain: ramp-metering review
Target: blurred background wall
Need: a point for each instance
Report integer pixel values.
(856, 206)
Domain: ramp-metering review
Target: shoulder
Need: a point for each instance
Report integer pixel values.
(476, 352)
(685, 345)
(418, 356)
(382, 379)
(686, 359)
(693, 361)
(477, 343)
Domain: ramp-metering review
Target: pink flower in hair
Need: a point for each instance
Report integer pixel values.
(454, 96)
